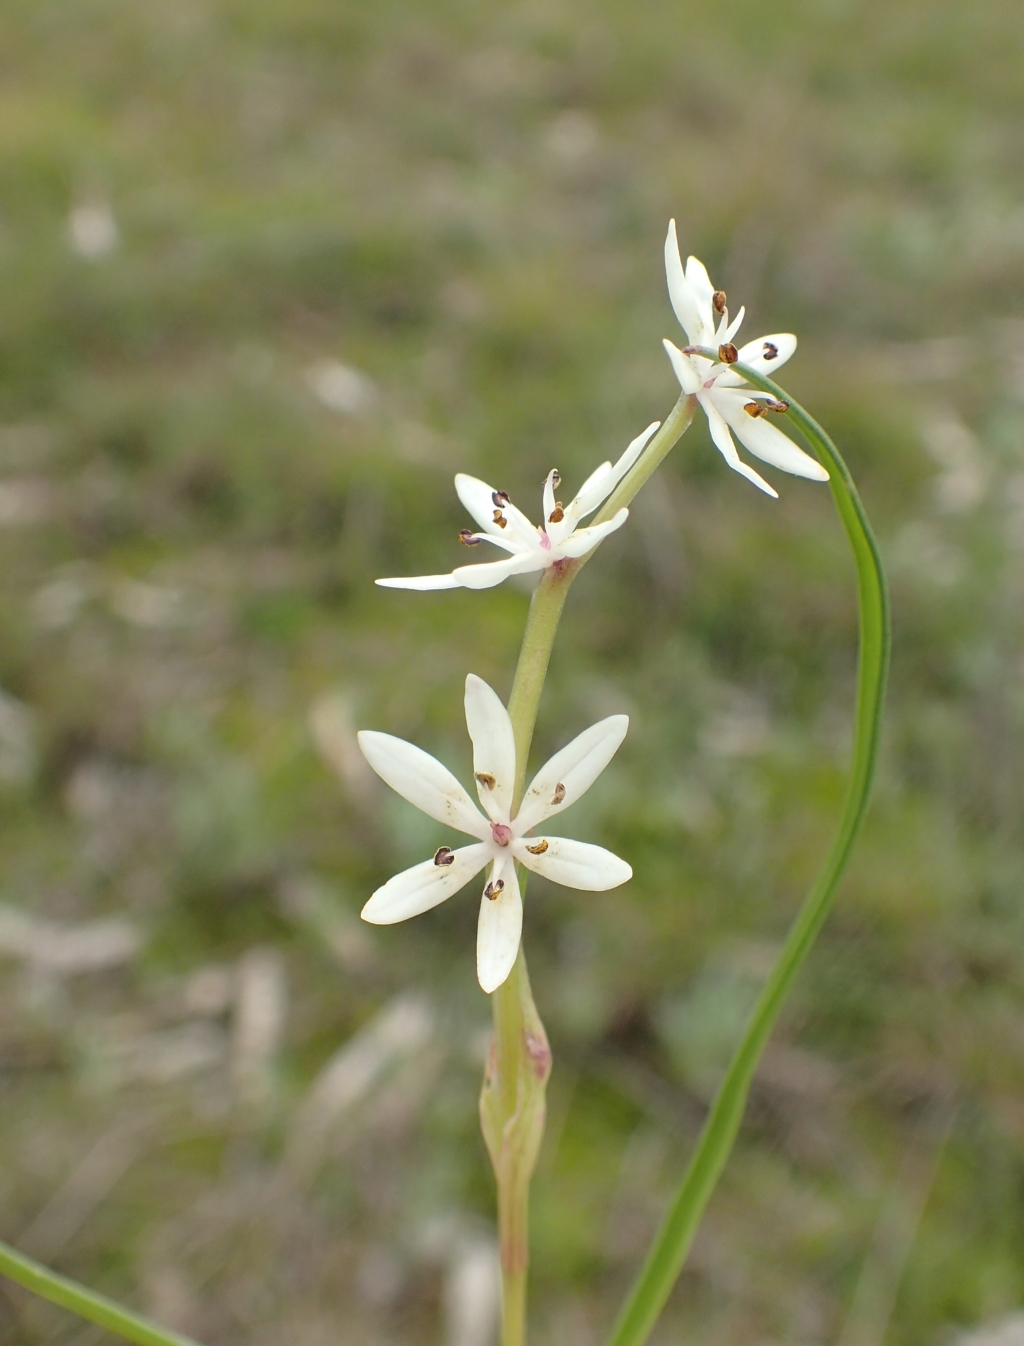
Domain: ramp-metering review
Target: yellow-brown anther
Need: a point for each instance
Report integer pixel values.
(444, 856)
(557, 514)
(559, 794)
(771, 351)
(500, 519)
(500, 498)
(539, 848)
(753, 408)
(778, 406)
(468, 538)
(718, 301)
(486, 779)
(728, 354)
(493, 889)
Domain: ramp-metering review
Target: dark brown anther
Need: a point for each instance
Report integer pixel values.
(444, 856)
(773, 405)
(559, 794)
(771, 351)
(486, 779)
(728, 354)
(493, 889)
(753, 408)
(539, 848)
(500, 519)
(718, 301)
(468, 538)
(500, 498)
(557, 514)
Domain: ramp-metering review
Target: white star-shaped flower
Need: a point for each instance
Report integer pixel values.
(729, 404)
(531, 548)
(501, 839)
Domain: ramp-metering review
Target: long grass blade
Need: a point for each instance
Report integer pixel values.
(672, 1243)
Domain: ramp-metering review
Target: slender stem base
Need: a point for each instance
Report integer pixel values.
(512, 1115)
(512, 1101)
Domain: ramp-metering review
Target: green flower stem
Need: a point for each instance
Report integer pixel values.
(672, 1243)
(512, 1103)
(86, 1303)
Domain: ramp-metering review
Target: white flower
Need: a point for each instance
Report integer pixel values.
(501, 839)
(530, 548)
(729, 404)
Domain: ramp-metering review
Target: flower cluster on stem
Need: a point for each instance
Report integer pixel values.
(730, 403)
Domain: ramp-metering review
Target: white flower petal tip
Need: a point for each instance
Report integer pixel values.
(500, 927)
(425, 885)
(574, 864)
(500, 839)
(494, 748)
(571, 772)
(422, 780)
(558, 538)
(421, 582)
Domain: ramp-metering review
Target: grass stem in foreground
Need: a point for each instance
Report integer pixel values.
(86, 1303)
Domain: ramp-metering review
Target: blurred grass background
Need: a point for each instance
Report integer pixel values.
(270, 273)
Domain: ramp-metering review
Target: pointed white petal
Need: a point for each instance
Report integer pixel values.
(571, 772)
(758, 355)
(683, 302)
(596, 477)
(723, 439)
(703, 291)
(478, 498)
(633, 450)
(586, 539)
(422, 582)
(489, 574)
(685, 370)
(500, 927)
(728, 330)
(548, 499)
(421, 779)
(424, 886)
(597, 488)
(574, 864)
(766, 440)
(494, 748)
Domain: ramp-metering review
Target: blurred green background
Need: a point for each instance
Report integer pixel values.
(270, 273)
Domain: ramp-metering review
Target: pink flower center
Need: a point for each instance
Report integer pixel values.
(545, 541)
(501, 833)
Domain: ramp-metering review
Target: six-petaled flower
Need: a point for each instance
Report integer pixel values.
(730, 404)
(559, 539)
(501, 839)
